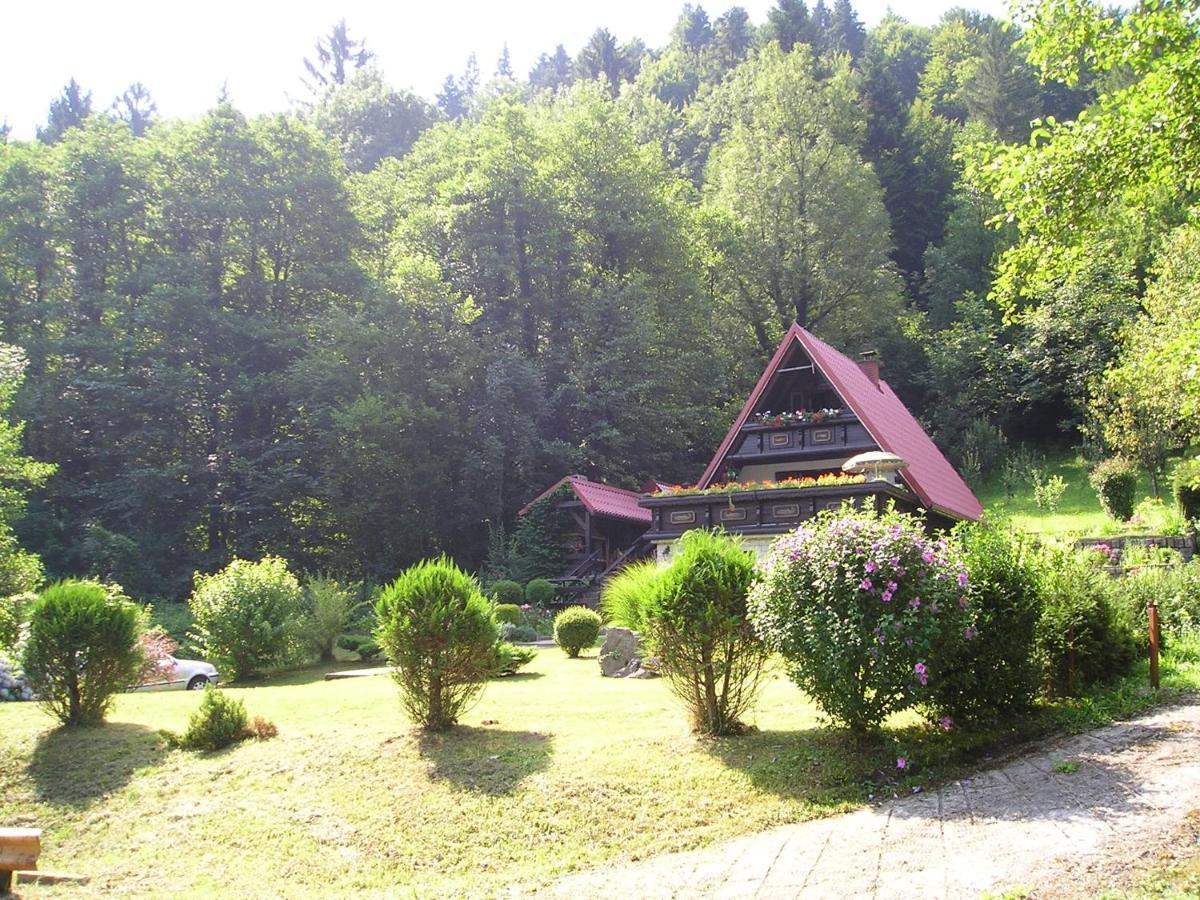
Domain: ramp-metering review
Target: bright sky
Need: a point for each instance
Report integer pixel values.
(184, 51)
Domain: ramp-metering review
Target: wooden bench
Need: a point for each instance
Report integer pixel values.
(19, 851)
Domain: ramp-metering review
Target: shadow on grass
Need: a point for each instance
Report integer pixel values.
(77, 766)
(820, 766)
(485, 760)
(522, 676)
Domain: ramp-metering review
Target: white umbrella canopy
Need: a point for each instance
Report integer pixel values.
(875, 463)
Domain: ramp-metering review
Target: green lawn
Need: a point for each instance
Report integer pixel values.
(1079, 512)
(552, 771)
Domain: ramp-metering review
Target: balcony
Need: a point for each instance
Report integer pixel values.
(840, 437)
(764, 511)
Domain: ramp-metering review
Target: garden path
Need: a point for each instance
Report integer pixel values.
(1041, 821)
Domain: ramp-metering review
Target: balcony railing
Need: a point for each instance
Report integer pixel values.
(765, 511)
(843, 436)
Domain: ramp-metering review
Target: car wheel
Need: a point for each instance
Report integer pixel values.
(198, 683)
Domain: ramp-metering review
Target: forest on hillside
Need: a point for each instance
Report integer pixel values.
(368, 329)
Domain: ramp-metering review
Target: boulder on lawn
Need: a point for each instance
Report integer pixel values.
(621, 655)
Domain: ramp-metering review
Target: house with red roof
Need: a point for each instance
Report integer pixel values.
(781, 461)
(605, 528)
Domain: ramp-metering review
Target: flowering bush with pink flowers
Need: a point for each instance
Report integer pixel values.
(860, 606)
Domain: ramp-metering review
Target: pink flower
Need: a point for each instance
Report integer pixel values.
(865, 584)
(901, 762)
(969, 632)
(870, 566)
(946, 722)
(887, 597)
(962, 579)
(915, 602)
(526, 606)
(927, 557)
(891, 586)
(922, 675)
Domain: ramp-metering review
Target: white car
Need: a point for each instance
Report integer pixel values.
(183, 674)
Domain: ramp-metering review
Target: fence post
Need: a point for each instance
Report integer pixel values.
(1154, 645)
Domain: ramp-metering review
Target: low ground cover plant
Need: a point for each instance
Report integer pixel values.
(436, 628)
(220, 721)
(576, 628)
(508, 659)
(861, 607)
(82, 649)
(248, 618)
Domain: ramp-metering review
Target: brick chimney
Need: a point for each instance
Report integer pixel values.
(868, 361)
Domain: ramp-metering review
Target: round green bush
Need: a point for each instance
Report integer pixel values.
(507, 592)
(540, 592)
(82, 649)
(218, 722)
(861, 607)
(576, 628)
(508, 613)
(1187, 488)
(996, 673)
(436, 628)
(1115, 483)
(248, 617)
(696, 625)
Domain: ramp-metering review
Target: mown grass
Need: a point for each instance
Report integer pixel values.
(553, 771)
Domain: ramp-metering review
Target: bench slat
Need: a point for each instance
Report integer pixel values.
(20, 848)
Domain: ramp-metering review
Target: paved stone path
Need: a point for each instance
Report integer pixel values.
(1003, 828)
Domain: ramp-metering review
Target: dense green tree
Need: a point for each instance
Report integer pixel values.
(788, 23)
(336, 57)
(602, 58)
(136, 108)
(69, 110)
(20, 570)
(552, 71)
(369, 120)
(808, 229)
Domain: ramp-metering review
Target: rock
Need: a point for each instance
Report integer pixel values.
(621, 645)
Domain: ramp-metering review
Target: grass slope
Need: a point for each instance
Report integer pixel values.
(1078, 513)
(552, 771)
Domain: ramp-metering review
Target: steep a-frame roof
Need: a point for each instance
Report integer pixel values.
(886, 418)
(599, 499)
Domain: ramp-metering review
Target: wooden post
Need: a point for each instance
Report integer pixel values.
(1154, 646)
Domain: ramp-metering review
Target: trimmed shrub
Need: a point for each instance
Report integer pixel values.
(82, 649)
(508, 613)
(628, 594)
(996, 673)
(248, 617)
(507, 659)
(576, 628)
(219, 722)
(507, 592)
(519, 633)
(362, 644)
(1115, 483)
(1187, 488)
(1083, 638)
(540, 592)
(861, 607)
(332, 609)
(696, 625)
(436, 627)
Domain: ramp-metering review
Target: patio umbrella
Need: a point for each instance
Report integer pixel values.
(875, 462)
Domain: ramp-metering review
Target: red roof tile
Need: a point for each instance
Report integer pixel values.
(599, 499)
(886, 418)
